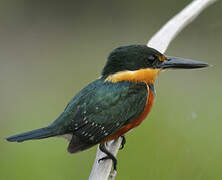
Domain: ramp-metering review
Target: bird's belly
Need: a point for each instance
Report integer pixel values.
(133, 124)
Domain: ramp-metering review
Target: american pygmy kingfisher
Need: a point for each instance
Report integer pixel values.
(115, 103)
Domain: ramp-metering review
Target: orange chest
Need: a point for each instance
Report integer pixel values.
(149, 104)
(129, 126)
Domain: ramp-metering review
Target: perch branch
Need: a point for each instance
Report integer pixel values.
(160, 41)
(168, 32)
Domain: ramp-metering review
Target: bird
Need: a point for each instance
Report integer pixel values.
(118, 101)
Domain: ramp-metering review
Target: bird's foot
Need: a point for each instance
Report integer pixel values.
(102, 147)
(123, 142)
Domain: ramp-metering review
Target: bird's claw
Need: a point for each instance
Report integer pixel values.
(104, 158)
(109, 156)
(123, 142)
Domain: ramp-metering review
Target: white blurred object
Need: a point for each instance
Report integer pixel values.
(193, 115)
(168, 32)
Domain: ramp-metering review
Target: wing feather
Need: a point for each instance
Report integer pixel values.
(102, 108)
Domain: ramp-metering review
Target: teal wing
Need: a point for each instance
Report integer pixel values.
(102, 108)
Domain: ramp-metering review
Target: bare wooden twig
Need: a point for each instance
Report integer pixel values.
(168, 32)
(160, 41)
(104, 166)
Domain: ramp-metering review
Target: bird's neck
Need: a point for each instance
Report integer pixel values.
(147, 76)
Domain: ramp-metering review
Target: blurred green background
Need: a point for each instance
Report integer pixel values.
(51, 49)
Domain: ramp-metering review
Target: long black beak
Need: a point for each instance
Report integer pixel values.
(180, 63)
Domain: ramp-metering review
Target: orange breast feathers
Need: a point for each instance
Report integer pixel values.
(147, 76)
(126, 128)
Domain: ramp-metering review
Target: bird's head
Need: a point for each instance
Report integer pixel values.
(140, 63)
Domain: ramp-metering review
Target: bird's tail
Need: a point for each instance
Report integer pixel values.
(35, 134)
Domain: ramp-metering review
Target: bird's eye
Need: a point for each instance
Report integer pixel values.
(151, 58)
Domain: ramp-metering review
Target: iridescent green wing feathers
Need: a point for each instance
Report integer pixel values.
(102, 108)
